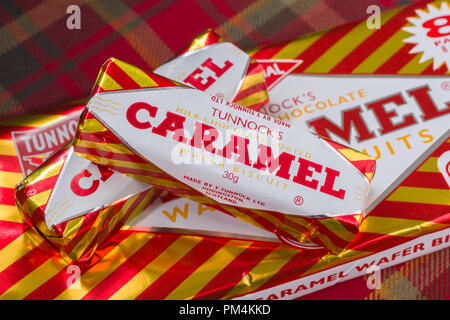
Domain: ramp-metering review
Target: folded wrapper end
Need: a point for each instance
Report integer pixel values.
(79, 237)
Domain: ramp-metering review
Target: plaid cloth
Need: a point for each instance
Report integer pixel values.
(44, 64)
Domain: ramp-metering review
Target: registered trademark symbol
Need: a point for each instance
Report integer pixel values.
(219, 95)
(445, 85)
(298, 200)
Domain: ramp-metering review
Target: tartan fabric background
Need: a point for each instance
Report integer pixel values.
(43, 64)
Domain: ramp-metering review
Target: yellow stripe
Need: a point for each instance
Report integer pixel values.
(16, 249)
(110, 147)
(72, 227)
(156, 268)
(107, 83)
(37, 200)
(421, 195)
(92, 126)
(382, 53)
(354, 155)
(118, 163)
(398, 227)
(10, 179)
(208, 270)
(430, 165)
(347, 44)
(37, 120)
(107, 265)
(33, 280)
(242, 216)
(7, 148)
(141, 206)
(262, 272)
(140, 77)
(295, 48)
(252, 80)
(336, 227)
(253, 98)
(10, 213)
(414, 66)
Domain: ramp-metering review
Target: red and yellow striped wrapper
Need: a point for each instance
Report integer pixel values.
(97, 143)
(357, 49)
(79, 237)
(75, 239)
(141, 265)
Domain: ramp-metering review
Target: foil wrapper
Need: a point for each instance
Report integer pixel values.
(138, 264)
(75, 204)
(313, 207)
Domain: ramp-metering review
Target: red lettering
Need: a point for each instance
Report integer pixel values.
(172, 122)
(266, 160)
(215, 68)
(426, 103)
(384, 116)
(134, 109)
(83, 192)
(329, 184)
(239, 146)
(204, 135)
(304, 172)
(435, 29)
(350, 118)
(198, 82)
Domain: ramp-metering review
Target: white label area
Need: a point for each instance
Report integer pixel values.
(393, 118)
(218, 69)
(238, 149)
(186, 216)
(82, 187)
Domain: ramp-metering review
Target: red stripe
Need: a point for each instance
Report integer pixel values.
(425, 180)
(293, 269)
(7, 196)
(131, 266)
(331, 235)
(249, 91)
(368, 46)
(174, 276)
(364, 166)
(111, 155)
(236, 270)
(407, 210)
(9, 164)
(440, 71)
(397, 60)
(24, 265)
(106, 230)
(375, 242)
(58, 283)
(10, 231)
(100, 137)
(120, 76)
(40, 186)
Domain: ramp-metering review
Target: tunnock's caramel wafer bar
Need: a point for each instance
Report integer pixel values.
(224, 155)
(84, 202)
